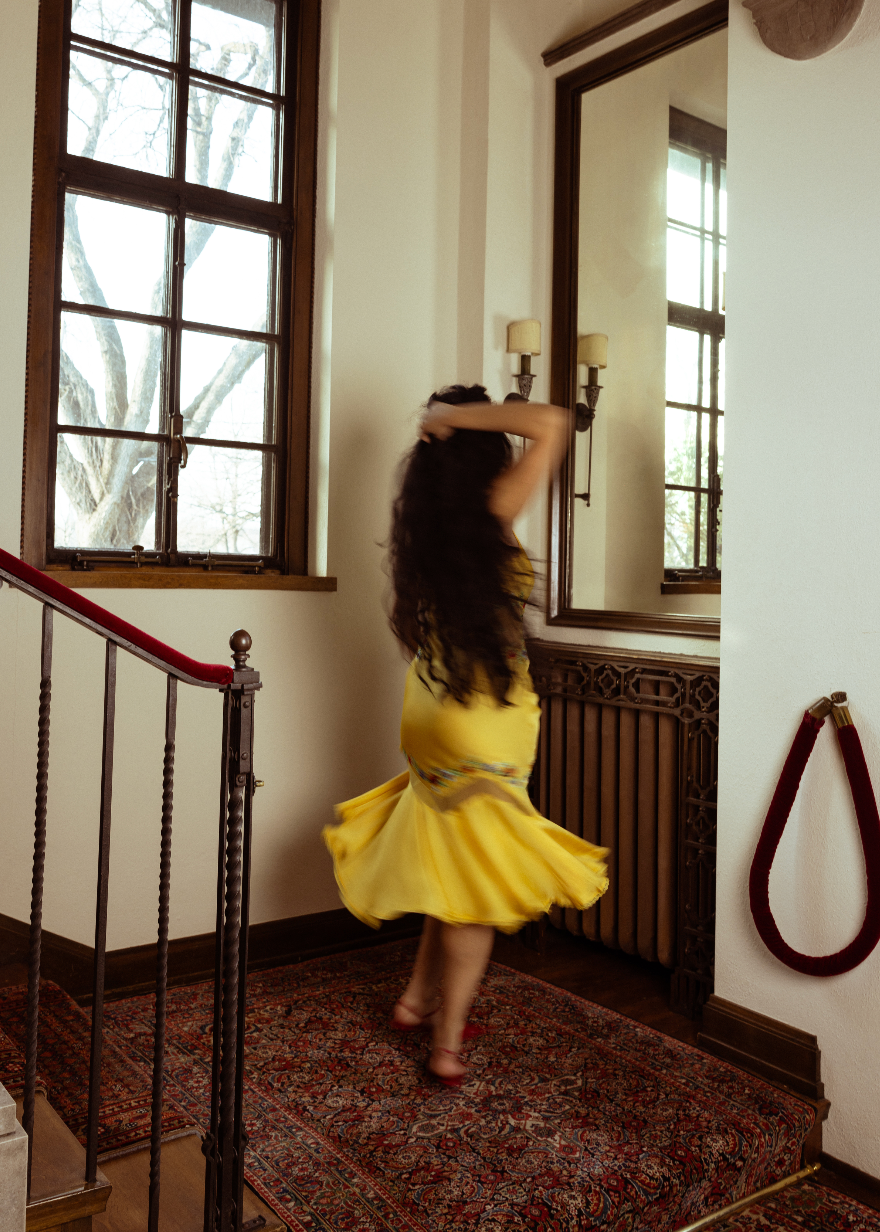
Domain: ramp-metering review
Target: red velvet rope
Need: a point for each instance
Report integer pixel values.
(210, 673)
(777, 817)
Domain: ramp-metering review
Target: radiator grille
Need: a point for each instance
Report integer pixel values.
(627, 759)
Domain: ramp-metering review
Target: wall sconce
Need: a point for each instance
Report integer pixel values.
(592, 351)
(524, 340)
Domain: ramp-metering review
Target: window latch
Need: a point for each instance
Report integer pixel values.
(181, 455)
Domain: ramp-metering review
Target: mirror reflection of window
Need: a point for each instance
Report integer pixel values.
(696, 230)
(650, 259)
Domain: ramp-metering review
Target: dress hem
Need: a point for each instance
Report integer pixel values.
(509, 924)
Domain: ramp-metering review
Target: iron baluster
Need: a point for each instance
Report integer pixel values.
(247, 744)
(210, 1143)
(101, 912)
(162, 952)
(229, 1140)
(224, 1145)
(36, 933)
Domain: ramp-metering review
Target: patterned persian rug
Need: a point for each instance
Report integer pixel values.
(572, 1117)
(63, 1071)
(12, 1067)
(806, 1207)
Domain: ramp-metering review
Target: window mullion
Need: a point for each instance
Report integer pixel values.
(173, 426)
(698, 468)
(182, 100)
(714, 486)
(716, 235)
(171, 450)
(702, 232)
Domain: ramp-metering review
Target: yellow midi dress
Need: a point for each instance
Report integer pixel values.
(456, 836)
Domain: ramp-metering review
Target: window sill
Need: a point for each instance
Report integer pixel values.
(146, 578)
(707, 587)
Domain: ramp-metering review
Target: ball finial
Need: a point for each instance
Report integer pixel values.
(240, 643)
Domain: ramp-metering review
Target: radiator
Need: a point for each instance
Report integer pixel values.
(628, 760)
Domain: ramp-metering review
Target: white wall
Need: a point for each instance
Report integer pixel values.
(802, 519)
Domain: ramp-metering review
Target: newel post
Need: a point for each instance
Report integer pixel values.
(225, 1142)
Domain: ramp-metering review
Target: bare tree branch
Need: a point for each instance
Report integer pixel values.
(161, 20)
(143, 387)
(198, 233)
(76, 395)
(197, 416)
(106, 332)
(102, 108)
(122, 512)
(231, 502)
(234, 145)
(73, 479)
(78, 399)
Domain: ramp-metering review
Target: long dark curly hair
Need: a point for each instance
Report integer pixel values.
(451, 567)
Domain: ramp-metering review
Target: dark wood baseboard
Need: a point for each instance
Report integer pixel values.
(846, 1179)
(64, 962)
(782, 1055)
(132, 970)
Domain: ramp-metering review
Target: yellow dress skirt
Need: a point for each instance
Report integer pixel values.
(456, 836)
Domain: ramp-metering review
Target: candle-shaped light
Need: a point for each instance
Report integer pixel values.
(524, 339)
(593, 351)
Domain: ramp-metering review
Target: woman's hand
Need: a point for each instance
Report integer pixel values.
(435, 422)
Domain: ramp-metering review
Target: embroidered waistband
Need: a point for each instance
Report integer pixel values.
(447, 776)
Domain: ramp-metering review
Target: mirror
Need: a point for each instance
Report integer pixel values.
(636, 541)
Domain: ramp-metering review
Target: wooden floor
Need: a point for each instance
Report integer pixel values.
(631, 986)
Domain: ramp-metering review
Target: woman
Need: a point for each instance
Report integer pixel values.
(455, 837)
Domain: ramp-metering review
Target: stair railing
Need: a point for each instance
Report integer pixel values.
(223, 1143)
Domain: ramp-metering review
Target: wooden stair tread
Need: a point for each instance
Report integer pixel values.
(59, 1193)
(182, 1192)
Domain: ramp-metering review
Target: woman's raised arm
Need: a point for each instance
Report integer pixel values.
(546, 426)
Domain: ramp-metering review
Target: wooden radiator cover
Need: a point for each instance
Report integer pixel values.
(628, 759)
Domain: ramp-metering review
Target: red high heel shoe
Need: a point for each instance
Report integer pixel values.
(448, 1080)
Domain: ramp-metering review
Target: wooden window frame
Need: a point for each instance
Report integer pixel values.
(54, 170)
(696, 136)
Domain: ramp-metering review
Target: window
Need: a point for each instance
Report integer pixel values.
(695, 266)
(170, 285)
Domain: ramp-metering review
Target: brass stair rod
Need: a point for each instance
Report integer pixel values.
(728, 1212)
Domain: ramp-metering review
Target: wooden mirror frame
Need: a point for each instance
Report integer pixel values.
(563, 349)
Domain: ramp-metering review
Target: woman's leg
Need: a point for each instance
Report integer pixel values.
(423, 990)
(466, 952)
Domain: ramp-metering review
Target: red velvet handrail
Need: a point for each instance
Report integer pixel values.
(75, 605)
